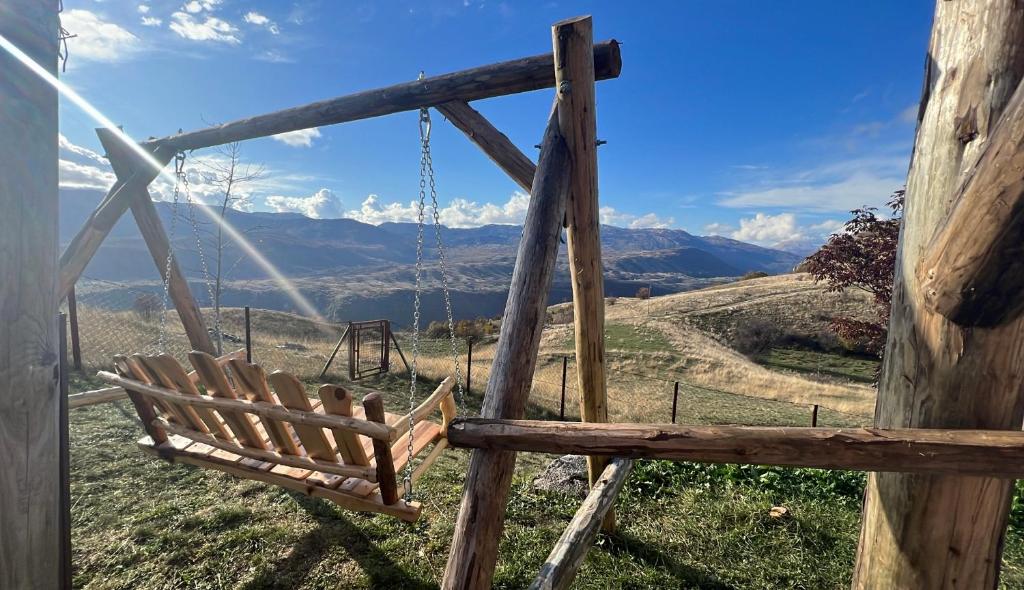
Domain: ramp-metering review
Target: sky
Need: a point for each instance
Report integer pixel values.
(760, 121)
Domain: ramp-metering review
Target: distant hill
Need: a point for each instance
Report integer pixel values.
(353, 269)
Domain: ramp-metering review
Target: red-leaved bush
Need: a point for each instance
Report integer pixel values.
(862, 256)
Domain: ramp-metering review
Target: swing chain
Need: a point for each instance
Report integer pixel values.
(191, 205)
(179, 172)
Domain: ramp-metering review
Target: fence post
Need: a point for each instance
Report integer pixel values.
(469, 363)
(76, 348)
(814, 415)
(248, 336)
(561, 407)
(65, 455)
(675, 402)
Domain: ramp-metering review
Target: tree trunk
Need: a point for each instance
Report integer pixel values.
(924, 531)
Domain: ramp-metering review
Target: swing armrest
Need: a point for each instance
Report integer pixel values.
(221, 362)
(442, 397)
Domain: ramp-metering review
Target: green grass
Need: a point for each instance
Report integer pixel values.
(851, 367)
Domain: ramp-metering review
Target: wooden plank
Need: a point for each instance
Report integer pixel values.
(133, 368)
(293, 396)
(565, 559)
(375, 431)
(216, 382)
(427, 407)
(76, 344)
(30, 486)
(994, 453)
(95, 396)
(424, 434)
(510, 77)
(409, 512)
(338, 401)
(973, 272)
(143, 407)
(251, 380)
(937, 531)
(169, 374)
(481, 517)
(125, 162)
(577, 119)
(373, 405)
(498, 147)
(434, 455)
(302, 463)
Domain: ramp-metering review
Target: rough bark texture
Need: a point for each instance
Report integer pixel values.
(924, 531)
(498, 147)
(577, 117)
(974, 269)
(30, 484)
(481, 517)
(989, 452)
(510, 77)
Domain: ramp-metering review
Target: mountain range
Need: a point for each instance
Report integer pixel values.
(351, 270)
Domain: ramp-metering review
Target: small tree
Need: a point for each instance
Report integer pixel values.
(147, 305)
(862, 256)
(228, 175)
(643, 293)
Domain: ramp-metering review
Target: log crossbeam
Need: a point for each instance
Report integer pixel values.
(990, 453)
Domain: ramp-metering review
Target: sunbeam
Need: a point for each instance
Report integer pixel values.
(104, 121)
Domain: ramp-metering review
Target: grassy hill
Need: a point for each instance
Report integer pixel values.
(141, 523)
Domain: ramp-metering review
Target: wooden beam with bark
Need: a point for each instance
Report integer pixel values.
(31, 535)
(994, 453)
(940, 531)
(577, 118)
(474, 549)
(155, 237)
(494, 143)
(565, 559)
(510, 77)
(973, 272)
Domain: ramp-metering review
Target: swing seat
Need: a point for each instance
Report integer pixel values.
(230, 416)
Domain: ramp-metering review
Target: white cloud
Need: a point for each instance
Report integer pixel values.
(143, 9)
(73, 151)
(782, 232)
(909, 114)
(96, 39)
(197, 6)
(300, 138)
(74, 175)
(323, 204)
(152, 21)
(458, 213)
(609, 216)
(210, 28)
(273, 56)
(254, 18)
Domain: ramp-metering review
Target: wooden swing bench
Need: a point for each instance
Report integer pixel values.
(324, 448)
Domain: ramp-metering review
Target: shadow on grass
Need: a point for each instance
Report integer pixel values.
(333, 532)
(645, 553)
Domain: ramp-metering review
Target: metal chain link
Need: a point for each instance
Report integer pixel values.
(424, 141)
(179, 165)
(461, 396)
(191, 205)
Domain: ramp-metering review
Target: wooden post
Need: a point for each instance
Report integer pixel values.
(469, 362)
(943, 531)
(814, 415)
(565, 559)
(385, 346)
(494, 143)
(353, 336)
(65, 459)
(474, 550)
(675, 402)
(574, 80)
(30, 482)
(373, 405)
(76, 347)
(565, 370)
(125, 165)
(248, 336)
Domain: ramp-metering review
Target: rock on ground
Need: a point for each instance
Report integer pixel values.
(567, 474)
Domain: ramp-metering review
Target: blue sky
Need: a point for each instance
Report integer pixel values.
(763, 121)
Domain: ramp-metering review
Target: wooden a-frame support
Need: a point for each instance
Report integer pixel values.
(449, 93)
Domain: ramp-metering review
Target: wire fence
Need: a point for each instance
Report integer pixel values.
(114, 318)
